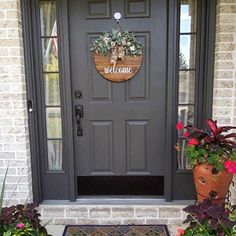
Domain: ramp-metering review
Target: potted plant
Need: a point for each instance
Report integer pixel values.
(21, 219)
(212, 156)
(117, 55)
(209, 219)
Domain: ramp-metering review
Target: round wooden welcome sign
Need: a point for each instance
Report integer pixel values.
(123, 70)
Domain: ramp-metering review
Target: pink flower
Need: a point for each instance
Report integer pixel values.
(20, 226)
(193, 142)
(179, 126)
(180, 232)
(230, 166)
(186, 134)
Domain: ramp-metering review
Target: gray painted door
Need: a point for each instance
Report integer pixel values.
(124, 123)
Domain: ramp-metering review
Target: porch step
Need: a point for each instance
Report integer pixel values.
(170, 214)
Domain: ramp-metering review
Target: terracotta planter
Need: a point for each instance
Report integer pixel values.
(124, 70)
(210, 183)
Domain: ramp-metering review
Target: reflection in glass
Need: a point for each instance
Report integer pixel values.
(186, 116)
(50, 54)
(188, 13)
(53, 122)
(54, 154)
(186, 87)
(187, 51)
(52, 89)
(181, 158)
(48, 18)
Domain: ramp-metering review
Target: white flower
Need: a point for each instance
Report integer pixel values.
(113, 44)
(132, 48)
(123, 42)
(129, 44)
(106, 40)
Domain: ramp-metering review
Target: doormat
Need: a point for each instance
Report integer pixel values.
(116, 230)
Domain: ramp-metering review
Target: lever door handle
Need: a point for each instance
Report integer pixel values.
(79, 113)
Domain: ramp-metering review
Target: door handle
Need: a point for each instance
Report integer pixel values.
(79, 113)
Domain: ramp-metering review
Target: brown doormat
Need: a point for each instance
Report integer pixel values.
(116, 230)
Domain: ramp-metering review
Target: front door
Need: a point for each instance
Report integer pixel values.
(124, 129)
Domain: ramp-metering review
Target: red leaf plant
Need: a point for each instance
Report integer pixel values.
(212, 145)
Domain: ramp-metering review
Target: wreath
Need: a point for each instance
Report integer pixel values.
(117, 44)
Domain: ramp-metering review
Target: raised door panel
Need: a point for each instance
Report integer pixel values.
(101, 155)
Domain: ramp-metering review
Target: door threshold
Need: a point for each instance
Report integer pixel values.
(120, 200)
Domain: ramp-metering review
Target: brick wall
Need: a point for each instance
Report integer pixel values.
(14, 138)
(224, 98)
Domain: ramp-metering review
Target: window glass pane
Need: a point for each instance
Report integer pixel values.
(186, 116)
(52, 89)
(186, 87)
(187, 51)
(50, 54)
(188, 13)
(55, 154)
(48, 18)
(181, 157)
(53, 122)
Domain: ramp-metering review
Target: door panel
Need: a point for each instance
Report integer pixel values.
(124, 123)
(101, 135)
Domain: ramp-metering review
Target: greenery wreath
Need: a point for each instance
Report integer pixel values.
(117, 44)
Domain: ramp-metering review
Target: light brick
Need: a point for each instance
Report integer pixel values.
(8, 5)
(110, 221)
(222, 102)
(2, 15)
(65, 221)
(224, 84)
(15, 130)
(157, 221)
(146, 212)
(7, 155)
(223, 56)
(170, 213)
(3, 52)
(88, 221)
(5, 105)
(224, 47)
(225, 93)
(7, 138)
(53, 212)
(133, 221)
(227, 9)
(224, 75)
(77, 212)
(100, 212)
(3, 34)
(13, 14)
(4, 69)
(118, 212)
(224, 38)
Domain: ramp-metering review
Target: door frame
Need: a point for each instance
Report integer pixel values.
(32, 70)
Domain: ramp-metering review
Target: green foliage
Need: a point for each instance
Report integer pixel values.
(3, 190)
(212, 145)
(12, 230)
(107, 41)
(209, 219)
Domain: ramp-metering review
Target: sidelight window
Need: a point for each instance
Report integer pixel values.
(187, 36)
(51, 81)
